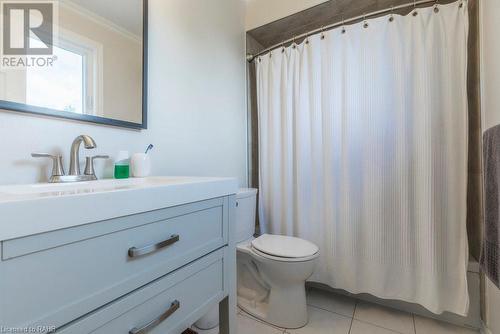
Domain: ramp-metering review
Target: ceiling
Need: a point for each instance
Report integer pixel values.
(127, 15)
(260, 12)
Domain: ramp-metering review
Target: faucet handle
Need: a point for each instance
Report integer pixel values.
(89, 164)
(57, 166)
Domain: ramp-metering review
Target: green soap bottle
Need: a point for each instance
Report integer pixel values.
(122, 165)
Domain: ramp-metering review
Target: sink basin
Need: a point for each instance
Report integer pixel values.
(38, 208)
(65, 189)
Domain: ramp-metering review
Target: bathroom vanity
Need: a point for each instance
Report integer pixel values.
(134, 256)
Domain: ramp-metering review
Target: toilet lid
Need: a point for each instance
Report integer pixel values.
(283, 246)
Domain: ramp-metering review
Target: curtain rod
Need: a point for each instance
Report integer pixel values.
(251, 57)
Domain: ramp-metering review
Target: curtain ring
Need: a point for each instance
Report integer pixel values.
(391, 17)
(293, 43)
(415, 12)
(282, 47)
(322, 32)
(436, 9)
(365, 24)
(343, 26)
(307, 39)
(461, 4)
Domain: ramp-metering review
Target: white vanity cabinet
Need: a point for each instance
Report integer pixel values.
(154, 271)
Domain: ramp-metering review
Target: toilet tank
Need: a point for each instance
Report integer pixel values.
(246, 205)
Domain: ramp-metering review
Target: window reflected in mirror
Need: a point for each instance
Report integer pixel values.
(97, 63)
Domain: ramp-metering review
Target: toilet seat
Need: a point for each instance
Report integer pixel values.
(283, 259)
(284, 248)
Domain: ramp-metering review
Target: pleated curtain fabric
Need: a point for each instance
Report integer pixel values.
(363, 151)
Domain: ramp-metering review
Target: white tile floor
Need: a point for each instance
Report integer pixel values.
(335, 314)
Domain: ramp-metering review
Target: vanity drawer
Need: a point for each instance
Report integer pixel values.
(168, 305)
(66, 274)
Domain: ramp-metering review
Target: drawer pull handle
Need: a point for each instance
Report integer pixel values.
(136, 252)
(152, 324)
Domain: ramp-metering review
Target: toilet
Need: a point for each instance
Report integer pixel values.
(271, 270)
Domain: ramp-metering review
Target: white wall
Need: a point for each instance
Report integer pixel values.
(490, 72)
(197, 101)
(490, 43)
(260, 12)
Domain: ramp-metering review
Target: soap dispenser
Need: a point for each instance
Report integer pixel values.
(122, 165)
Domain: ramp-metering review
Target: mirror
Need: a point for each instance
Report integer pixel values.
(86, 61)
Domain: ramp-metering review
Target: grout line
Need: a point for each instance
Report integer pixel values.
(324, 309)
(330, 311)
(352, 319)
(381, 326)
(356, 302)
(378, 326)
(414, 324)
(251, 317)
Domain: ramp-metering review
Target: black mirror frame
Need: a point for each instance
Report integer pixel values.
(24, 108)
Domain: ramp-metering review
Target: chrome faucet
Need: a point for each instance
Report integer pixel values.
(74, 163)
(58, 175)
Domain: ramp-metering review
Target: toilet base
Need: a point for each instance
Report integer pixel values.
(284, 308)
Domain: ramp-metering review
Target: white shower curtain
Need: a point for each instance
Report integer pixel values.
(363, 150)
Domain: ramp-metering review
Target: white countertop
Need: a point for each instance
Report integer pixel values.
(37, 208)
